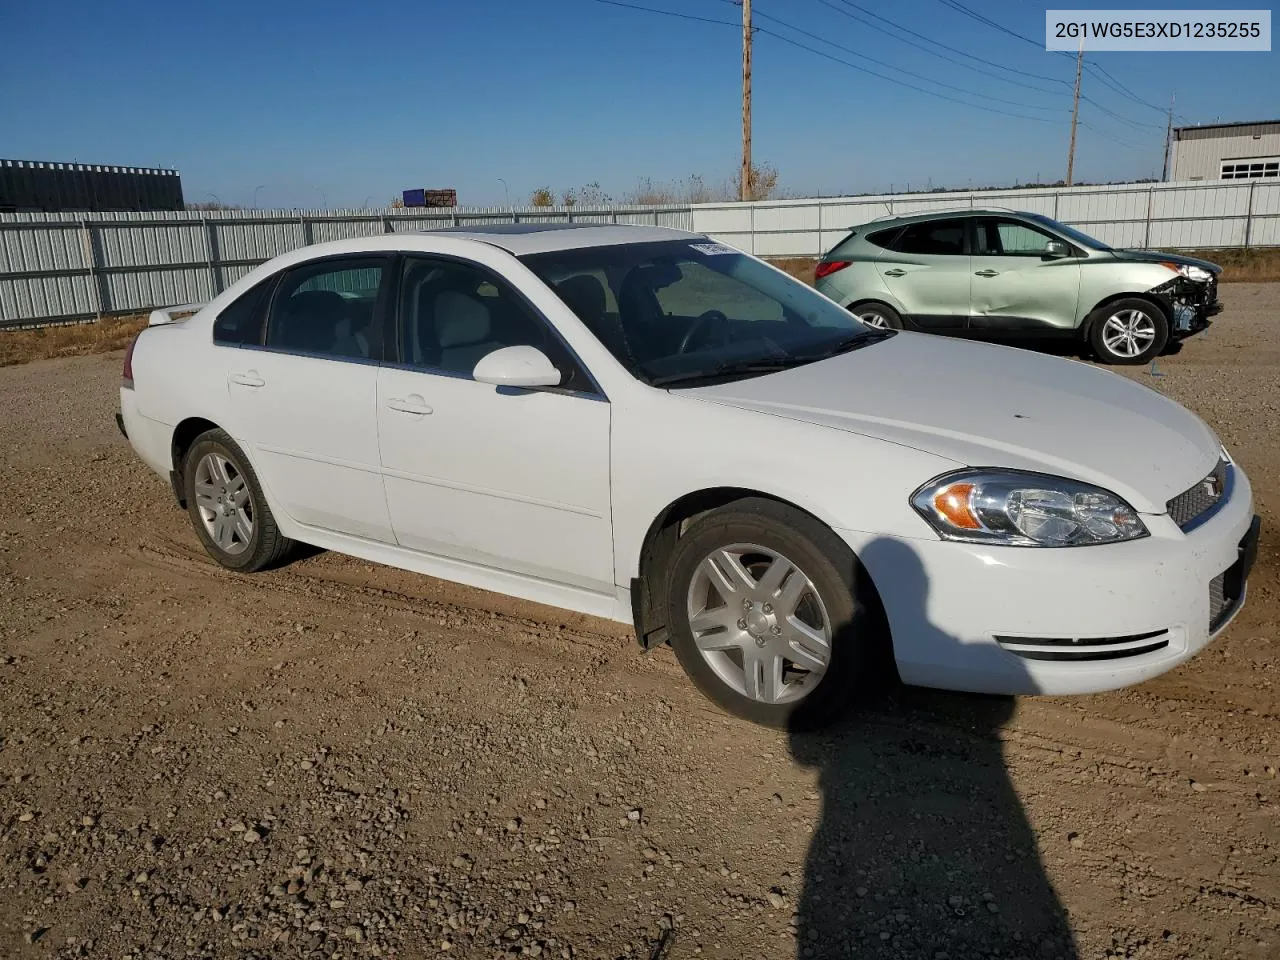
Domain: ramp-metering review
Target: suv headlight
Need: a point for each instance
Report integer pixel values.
(1191, 271)
(1022, 509)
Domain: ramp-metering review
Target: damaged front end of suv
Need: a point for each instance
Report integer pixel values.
(1191, 299)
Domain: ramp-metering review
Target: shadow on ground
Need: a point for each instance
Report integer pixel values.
(923, 849)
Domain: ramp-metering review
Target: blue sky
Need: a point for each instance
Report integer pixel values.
(339, 103)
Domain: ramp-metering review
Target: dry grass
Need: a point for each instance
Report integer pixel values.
(1253, 266)
(68, 340)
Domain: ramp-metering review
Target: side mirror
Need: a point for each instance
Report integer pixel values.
(1056, 250)
(517, 367)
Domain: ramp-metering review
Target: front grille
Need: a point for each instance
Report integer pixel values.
(1195, 505)
(1085, 648)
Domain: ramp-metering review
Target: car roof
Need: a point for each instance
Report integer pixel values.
(524, 238)
(945, 214)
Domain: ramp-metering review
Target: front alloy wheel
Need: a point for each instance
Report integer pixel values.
(759, 623)
(771, 614)
(1129, 331)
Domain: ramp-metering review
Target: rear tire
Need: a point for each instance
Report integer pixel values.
(772, 616)
(227, 506)
(1128, 332)
(878, 315)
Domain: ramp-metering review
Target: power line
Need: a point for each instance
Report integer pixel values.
(833, 58)
(893, 66)
(903, 83)
(1104, 75)
(666, 13)
(964, 53)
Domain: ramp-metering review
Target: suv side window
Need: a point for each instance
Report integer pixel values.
(453, 314)
(240, 323)
(884, 238)
(934, 237)
(327, 308)
(995, 237)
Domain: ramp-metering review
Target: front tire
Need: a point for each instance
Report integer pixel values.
(227, 506)
(1128, 332)
(771, 614)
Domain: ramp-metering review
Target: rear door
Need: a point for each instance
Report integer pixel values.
(927, 270)
(1018, 287)
(305, 396)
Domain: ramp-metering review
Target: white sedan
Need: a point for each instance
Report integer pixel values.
(649, 426)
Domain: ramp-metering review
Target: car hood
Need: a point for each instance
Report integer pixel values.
(1155, 256)
(982, 405)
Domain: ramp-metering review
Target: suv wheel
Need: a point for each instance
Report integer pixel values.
(878, 315)
(769, 614)
(1128, 331)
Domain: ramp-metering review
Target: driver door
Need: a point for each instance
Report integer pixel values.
(1017, 286)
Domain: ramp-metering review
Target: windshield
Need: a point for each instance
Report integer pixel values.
(1071, 233)
(680, 312)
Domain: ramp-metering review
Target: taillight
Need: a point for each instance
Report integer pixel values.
(126, 378)
(828, 267)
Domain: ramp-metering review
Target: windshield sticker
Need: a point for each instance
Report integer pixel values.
(712, 249)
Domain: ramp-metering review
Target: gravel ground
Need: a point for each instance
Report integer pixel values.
(341, 760)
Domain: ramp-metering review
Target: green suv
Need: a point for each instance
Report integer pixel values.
(1005, 274)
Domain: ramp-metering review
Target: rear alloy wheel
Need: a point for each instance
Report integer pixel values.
(1128, 331)
(877, 315)
(227, 507)
(767, 614)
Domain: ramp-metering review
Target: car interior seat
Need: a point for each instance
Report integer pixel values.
(463, 330)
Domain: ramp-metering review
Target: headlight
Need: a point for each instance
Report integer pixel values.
(1022, 509)
(1191, 271)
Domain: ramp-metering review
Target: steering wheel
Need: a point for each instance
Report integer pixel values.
(703, 323)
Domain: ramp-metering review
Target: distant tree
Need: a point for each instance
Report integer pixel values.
(761, 184)
(212, 205)
(588, 195)
(542, 197)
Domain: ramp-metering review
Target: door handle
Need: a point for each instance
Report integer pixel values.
(250, 379)
(895, 272)
(411, 404)
(987, 273)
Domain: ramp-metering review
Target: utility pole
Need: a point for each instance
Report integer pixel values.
(1075, 113)
(1168, 139)
(744, 189)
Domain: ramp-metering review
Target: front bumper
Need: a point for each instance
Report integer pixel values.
(1026, 620)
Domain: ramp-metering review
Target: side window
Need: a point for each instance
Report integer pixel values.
(452, 315)
(884, 238)
(1009, 238)
(936, 237)
(241, 322)
(327, 309)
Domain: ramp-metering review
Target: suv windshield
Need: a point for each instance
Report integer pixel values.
(682, 312)
(1071, 233)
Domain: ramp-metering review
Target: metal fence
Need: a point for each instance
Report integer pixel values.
(66, 267)
(59, 268)
(1163, 216)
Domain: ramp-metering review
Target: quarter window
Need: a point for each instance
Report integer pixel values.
(240, 324)
(327, 309)
(935, 237)
(453, 315)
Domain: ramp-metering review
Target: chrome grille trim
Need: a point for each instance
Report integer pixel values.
(1202, 500)
(1085, 648)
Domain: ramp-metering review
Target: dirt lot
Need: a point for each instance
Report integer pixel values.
(339, 760)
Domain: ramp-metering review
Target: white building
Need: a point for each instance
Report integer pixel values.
(1226, 151)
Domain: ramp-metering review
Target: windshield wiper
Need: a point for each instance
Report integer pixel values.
(773, 364)
(855, 342)
(731, 368)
